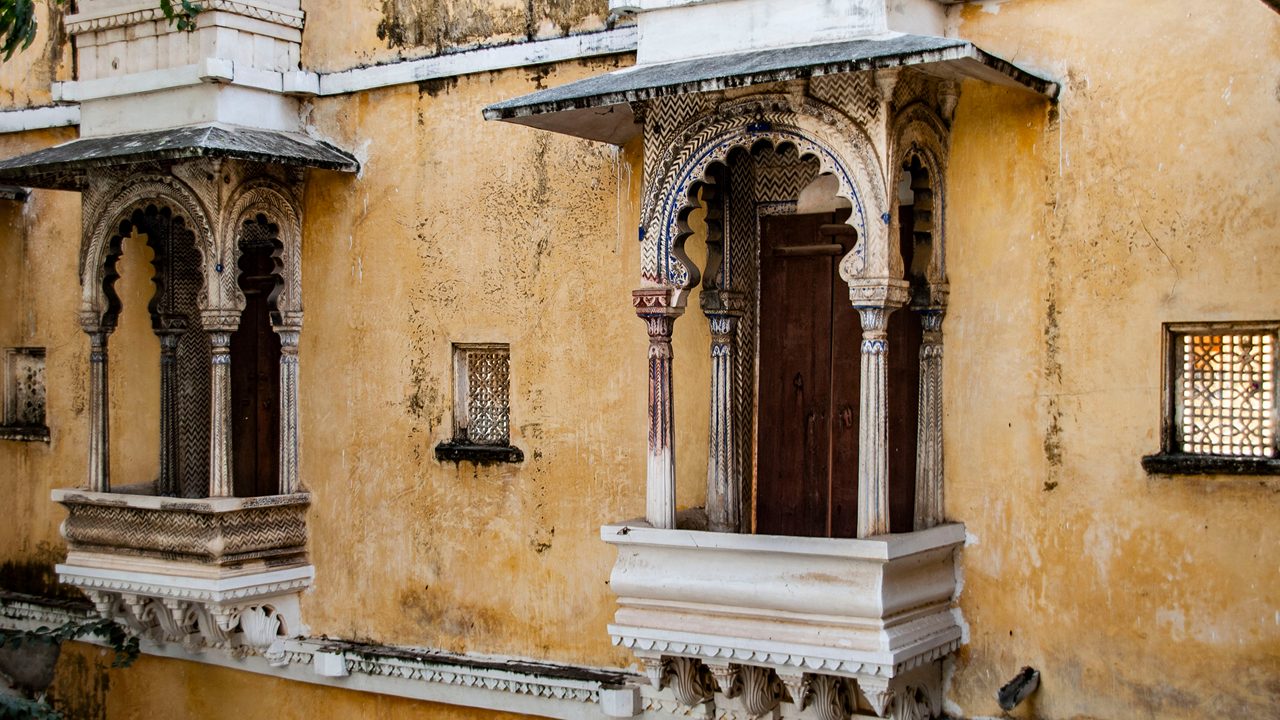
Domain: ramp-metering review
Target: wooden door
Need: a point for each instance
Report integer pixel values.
(255, 384)
(809, 364)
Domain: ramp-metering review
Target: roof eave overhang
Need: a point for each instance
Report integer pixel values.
(599, 108)
(63, 167)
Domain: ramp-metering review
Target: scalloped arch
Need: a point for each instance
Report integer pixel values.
(918, 131)
(269, 198)
(127, 196)
(841, 147)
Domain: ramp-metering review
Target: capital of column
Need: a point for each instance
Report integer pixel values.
(655, 308)
(220, 321)
(879, 293)
(931, 323)
(723, 309)
(98, 344)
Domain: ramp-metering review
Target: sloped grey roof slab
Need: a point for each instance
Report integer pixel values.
(598, 108)
(60, 167)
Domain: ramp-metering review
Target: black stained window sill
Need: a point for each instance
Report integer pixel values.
(455, 451)
(24, 433)
(1189, 464)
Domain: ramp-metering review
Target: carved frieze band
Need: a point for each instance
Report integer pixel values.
(255, 532)
(77, 26)
(697, 682)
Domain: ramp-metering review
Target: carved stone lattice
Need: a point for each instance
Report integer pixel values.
(488, 396)
(24, 392)
(1227, 396)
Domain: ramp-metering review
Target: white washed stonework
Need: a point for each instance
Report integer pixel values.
(869, 618)
(233, 68)
(683, 29)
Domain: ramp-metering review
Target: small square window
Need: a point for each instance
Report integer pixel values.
(482, 405)
(1220, 411)
(24, 395)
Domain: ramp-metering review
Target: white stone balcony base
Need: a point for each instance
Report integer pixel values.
(245, 609)
(844, 625)
(202, 572)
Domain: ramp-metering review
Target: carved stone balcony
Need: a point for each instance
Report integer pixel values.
(843, 626)
(220, 572)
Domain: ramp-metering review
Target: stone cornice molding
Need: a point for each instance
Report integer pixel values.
(488, 682)
(93, 22)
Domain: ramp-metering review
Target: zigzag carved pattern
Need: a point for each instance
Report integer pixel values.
(911, 86)
(853, 93)
(780, 176)
(173, 533)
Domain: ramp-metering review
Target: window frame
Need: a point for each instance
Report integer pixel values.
(1172, 458)
(10, 429)
(461, 447)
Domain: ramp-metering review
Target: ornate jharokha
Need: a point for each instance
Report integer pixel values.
(877, 137)
(749, 622)
(212, 550)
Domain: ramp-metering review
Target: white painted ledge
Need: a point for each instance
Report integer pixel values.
(40, 118)
(496, 683)
(572, 47)
(304, 83)
(873, 609)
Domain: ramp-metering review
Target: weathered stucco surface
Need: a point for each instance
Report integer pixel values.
(38, 244)
(89, 689)
(460, 231)
(1148, 195)
(344, 35)
(25, 78)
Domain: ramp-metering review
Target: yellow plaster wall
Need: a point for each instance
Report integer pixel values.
(457, 231)
(26, 77)
(348, 34)
(87, 688)
(1147, 195)
(39, 240)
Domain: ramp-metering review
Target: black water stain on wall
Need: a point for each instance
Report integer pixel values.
(443, 24)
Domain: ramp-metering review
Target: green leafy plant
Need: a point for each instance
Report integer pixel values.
(119, 639)
(38, 708)
(18, 21)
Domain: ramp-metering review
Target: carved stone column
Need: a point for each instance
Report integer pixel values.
(221, 483)
(288, 409)
(725, 492)
(929, 475)
(169, 481)
(654, 306)
(873, 431)
(99, 409)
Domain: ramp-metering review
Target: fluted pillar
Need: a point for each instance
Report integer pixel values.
(221, 482)
(288, 409)
(724, 483)
(873, 438)
(929, 475)
(99, 479)
(169, 482)
(653, 305)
